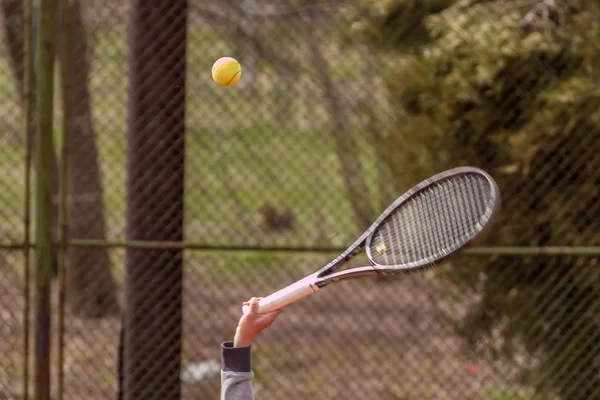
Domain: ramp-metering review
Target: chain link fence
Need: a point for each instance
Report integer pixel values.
(341, 107)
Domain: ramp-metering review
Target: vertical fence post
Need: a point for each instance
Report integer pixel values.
(65, 63)
(27, 111)
(155, 183)
(44, 64)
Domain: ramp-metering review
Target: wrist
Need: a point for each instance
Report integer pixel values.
(242, 340)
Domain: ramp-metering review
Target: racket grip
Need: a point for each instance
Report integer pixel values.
(285, 296)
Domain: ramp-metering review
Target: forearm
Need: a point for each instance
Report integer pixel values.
(236, 373)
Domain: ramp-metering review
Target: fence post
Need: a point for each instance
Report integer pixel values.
(27, 112)
(44, 64)
(151, 347)
(65, 64)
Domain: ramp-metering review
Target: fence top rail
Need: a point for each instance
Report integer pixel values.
(589, 251)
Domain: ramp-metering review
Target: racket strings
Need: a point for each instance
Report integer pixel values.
(439, 220)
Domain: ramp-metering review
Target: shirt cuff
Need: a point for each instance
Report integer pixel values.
(236, 359)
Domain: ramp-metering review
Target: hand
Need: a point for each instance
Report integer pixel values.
(252, 323)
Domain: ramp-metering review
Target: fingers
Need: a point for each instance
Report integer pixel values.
(253, 299)
(269, 317)
(254, 305)
(275, 312)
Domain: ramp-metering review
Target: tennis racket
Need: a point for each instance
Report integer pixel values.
(427, 226)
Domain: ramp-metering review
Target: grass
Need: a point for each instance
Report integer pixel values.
(239, 155)
(244, 149)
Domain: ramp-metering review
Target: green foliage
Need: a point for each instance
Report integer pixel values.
(398, 23)
(511, 87)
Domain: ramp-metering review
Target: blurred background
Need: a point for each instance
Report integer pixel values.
(196, 197)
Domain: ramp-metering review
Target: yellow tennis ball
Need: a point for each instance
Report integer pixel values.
(226, 71)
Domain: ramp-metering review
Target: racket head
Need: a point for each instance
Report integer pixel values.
(434, 221)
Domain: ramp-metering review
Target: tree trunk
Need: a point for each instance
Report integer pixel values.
(346, 147)
(91, 285)
(151, 348)
(374, 128)
(249, 53)
(92, 289)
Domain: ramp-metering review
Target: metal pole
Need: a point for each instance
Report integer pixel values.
(27, 93)
(62, 201)
(154, 279)
(46, 46)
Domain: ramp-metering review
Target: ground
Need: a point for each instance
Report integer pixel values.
(376, 339)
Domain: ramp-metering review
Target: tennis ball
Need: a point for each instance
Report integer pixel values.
(226, 71)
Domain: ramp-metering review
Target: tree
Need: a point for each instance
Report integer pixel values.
(345, 142)
(511, 87)
(92, 291)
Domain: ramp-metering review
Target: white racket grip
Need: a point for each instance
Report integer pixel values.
(285, 296)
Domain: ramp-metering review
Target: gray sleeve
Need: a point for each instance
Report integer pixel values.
(236, 373)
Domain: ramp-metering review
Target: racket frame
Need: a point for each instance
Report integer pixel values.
(327, 274)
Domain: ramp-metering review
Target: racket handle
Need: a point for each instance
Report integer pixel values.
(285, 296)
